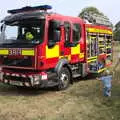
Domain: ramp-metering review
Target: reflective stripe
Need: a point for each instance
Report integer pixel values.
(23, 76)
(109, 47)
(99, 31)
(52, 52)
(24, 52)
(91, 60)
(28, 52)
(101, 70)
(7, 73)
(92, 57)
(4, 52)
(5, 81)
(75, 50)
(81, 55)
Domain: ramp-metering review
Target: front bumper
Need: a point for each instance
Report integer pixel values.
(29, 80)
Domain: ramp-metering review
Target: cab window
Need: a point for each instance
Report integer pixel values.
(54, 31)
(67, 31)
(76, 32)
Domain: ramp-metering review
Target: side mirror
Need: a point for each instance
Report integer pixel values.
(1, 28)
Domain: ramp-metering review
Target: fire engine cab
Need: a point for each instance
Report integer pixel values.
(41, 48)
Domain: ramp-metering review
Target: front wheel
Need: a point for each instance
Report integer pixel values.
(64, 79)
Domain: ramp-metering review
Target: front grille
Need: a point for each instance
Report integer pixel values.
(18, 62)
(15, 78)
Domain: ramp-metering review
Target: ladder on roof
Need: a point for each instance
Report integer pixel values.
(97, 19)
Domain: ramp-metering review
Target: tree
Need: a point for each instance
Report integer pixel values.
(117, 32)
(89, 9)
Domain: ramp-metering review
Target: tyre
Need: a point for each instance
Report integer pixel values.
(64, 79)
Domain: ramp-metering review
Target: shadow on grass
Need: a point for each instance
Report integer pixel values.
(88, 77)
(24, 91)
(6, 90)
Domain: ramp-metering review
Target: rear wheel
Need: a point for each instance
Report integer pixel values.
(64, 79)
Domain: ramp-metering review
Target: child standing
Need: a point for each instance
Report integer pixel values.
(106, 80)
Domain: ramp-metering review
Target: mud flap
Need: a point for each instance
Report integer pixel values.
(84, 69)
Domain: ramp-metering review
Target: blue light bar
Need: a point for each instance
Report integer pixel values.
(29, 8)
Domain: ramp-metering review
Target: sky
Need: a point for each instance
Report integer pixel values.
(110, 8)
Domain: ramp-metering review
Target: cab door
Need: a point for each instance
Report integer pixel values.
(65, 48)
(53, 40)
(76, 37)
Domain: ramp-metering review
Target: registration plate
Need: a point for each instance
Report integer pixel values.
(18, 83)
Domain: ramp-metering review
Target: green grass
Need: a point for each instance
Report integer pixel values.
(82, 101)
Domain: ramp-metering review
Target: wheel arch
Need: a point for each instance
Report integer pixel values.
(64, 63)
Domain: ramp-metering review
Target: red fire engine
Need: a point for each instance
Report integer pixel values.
(41, 48)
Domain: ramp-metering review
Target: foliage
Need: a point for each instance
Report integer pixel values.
(89, 9)
(117, 32)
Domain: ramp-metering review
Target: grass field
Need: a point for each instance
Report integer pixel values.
(81, 101)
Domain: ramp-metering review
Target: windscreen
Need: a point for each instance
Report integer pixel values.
(24, 31)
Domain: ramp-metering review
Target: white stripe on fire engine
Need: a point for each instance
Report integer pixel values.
(23, 76)
(31, 79)
(14, 74)
(27, 84)
(7, 73)
(5, 80)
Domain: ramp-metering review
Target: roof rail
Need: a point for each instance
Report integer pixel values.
(29, 8)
